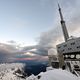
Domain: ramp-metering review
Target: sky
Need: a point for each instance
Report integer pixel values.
(30, 28)
(24, 20)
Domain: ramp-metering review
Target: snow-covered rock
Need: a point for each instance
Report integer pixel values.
(49, 68)
(32, 77)
(12, 71)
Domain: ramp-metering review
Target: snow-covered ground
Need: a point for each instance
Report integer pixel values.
(14, 71)
(58, 74)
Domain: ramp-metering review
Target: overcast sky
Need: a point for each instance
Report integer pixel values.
(24, 20)
(35, 22)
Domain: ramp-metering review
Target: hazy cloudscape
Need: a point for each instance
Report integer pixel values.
(29, 28)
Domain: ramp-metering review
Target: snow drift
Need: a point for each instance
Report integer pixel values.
(58, 74)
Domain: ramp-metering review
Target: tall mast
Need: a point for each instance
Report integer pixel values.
(64, 29)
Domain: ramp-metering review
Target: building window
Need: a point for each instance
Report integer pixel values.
(65, 45)
(78, 46)
(73, 43)
(69, 48)
(78, 56)
(63, 50)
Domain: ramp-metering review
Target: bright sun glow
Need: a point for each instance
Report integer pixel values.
(29, 53)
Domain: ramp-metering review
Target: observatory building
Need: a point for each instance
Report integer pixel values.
(70, 49)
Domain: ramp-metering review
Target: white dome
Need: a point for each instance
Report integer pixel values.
(52, 51)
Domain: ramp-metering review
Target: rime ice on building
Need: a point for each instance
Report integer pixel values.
(69, 51)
